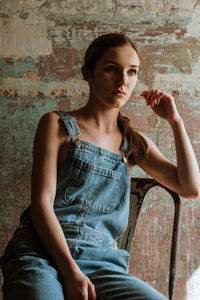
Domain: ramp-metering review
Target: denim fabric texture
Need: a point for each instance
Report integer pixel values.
(92, 206)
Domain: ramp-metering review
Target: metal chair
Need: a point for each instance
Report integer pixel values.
(139, 188)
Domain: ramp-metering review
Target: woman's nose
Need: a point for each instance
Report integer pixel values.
(122, 78)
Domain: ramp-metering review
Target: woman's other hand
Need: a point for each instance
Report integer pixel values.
(78, 286)
(162, 103)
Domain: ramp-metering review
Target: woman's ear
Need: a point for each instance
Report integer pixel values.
(84, 72)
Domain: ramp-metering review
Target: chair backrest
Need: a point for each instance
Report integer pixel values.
(139, 188)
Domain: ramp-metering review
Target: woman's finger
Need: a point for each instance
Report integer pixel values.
(144, 93)
(91, 292)
(153, 97)
(84, 293)
(159, 97)
(148, 97)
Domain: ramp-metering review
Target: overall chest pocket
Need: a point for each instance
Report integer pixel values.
(93, 186)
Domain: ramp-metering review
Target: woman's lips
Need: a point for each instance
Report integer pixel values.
(119, 93)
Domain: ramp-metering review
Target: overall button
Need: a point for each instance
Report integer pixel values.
(78, 143)
(124, 159)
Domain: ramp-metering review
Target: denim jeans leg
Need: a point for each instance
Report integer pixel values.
(32, 278)
(113, 285)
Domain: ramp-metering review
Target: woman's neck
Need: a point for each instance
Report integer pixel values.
(103, 118)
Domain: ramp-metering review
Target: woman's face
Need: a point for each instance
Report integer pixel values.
(115, 76)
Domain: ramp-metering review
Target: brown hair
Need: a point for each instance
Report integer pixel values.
(137, 144)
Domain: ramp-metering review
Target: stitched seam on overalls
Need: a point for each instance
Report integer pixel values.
(70, 123)
(81, 214)
(83, 165)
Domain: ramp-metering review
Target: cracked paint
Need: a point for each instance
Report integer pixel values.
(42, 47)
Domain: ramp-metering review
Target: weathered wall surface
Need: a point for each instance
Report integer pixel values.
(42, 46)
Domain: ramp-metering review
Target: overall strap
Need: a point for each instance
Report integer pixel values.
(70, 123)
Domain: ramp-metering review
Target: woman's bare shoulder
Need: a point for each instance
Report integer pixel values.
(49, 117)
(149, 142)
(50, 125)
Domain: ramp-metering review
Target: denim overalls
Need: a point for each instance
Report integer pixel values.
(92, 206)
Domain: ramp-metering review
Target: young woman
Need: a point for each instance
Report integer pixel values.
(65, 246)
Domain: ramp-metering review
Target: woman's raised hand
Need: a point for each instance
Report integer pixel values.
(162, 103)
(77, 286)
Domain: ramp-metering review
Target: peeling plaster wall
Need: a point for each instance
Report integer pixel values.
(42, 47)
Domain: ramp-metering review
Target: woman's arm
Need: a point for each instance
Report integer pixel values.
(49, 138)
(185, 177)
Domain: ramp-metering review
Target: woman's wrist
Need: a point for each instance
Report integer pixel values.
(68, 268)
(176, 121)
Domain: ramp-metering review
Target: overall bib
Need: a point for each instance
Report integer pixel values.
(92, 206)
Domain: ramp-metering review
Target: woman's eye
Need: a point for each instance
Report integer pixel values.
(132, 72)
(110, 68)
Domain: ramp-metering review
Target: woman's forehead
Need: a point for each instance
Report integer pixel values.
(122, 55)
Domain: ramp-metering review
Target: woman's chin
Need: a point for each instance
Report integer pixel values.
(119, 102)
